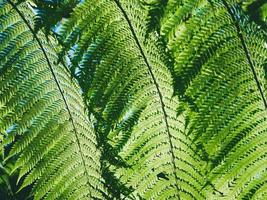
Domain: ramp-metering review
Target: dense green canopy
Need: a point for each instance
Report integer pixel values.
(133, 99)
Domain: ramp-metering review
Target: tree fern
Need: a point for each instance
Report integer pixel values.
(220, 75)
(175, 91)
(125, 78)
(42, 115)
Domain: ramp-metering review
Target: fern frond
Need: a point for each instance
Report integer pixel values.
(220, 73)
(48, 132)
(129, 90)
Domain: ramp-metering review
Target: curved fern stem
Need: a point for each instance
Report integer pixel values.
(157, 88)
(243, 43)
(57, 83)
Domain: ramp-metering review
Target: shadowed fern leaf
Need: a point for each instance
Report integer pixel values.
(176, 93)
(48, 132)
(220, 75)
(257, 10)
(128, 89)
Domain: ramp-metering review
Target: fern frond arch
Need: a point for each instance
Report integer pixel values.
(48, 129)
(175, 92)
(220, 59)
(117, 44)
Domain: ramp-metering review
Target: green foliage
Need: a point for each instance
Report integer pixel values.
(42, 115)
(257, 10)
(175, 92)
(50, 12)
(220, 75)
(128, 89)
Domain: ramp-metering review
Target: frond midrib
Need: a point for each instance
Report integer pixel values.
(57, 83)
(156, 85)
(246, 51)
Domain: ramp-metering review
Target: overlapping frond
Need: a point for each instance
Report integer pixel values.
(214, 147)
(128, 89)
(220, 75)
(43, 123)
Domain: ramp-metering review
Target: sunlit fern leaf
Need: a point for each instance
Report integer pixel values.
(48, 131)
(122, 72)
(220, 73)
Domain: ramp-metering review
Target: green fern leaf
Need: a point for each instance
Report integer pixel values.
(122, 73)
(220, 74)
(205, 140)
(48, 132)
